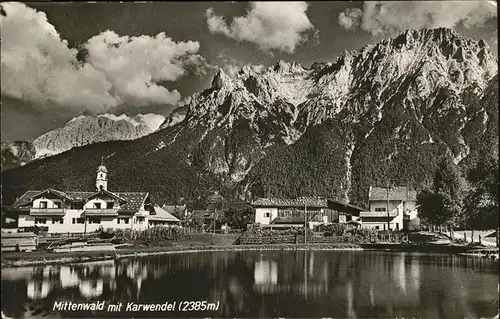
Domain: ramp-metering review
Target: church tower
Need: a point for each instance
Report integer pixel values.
(101, 181)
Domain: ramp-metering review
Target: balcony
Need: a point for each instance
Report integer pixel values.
(47, 211)
(142, 213)
(101, 212)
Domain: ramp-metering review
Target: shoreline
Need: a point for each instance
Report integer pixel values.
(51, 258)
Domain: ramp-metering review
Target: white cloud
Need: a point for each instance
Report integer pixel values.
(39, 67)
(350, 18)
(135, 64)
(389, 17)
(270, 25)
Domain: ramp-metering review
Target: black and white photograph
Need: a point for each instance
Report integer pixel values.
(322, 159)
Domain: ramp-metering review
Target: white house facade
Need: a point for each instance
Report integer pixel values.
(83, 212)
(389, 208)
(282, 212)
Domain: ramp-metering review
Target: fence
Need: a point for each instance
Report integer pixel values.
(318, 238)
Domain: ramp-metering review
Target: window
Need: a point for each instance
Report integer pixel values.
(285, 213)
(139, 220)
(123, 220)
(79, 220)
(94, 220)
(43, 204)
(109, 205)
(267, 214)
(77, 206)
(40, 220)
(397, 226)
(380, 209)
(57, 204)
(97, 205)
(377, 227)
(57, 220)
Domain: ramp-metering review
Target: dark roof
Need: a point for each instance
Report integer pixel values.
(343, 206)
(172, 209)
(286, 202)
(395, 193)
(133, 200)
(309, 201)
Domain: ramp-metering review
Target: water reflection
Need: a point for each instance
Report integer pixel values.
(270, 284)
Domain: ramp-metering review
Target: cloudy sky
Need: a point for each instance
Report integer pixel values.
(61, 60)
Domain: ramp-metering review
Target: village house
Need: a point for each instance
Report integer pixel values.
(213, 217)
(394, 206)
(286, 213)
(179, 211)
(83, 212)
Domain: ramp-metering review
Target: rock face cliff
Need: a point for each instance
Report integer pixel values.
(79, 131)
(386, 113)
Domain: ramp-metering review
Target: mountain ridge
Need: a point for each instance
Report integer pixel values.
(79, 131)
(331, 130)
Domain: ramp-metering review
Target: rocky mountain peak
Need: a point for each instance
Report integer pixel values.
(334, 129)
(220, 80)
(283, 67)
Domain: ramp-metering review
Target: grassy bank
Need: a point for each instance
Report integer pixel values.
(18, 259)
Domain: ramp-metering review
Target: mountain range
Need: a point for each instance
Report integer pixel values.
(385, 114)
(79, 131)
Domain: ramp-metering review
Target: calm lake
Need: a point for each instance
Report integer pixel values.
(338, 284)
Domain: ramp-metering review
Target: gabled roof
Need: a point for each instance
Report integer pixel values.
(24, 199)
(132, 200)
(50, 191)
(163, 215)
(395, 193)
(343, 206)
(103, 191)
(313, 202)
(286, 202)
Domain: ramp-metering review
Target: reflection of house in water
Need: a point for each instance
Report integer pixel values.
(37, 289)
(311, 278)
(91, 287)
(396, 280)
(266, 273)
(88, 278)
(69, 277)
(41, 283)
(138, 270)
